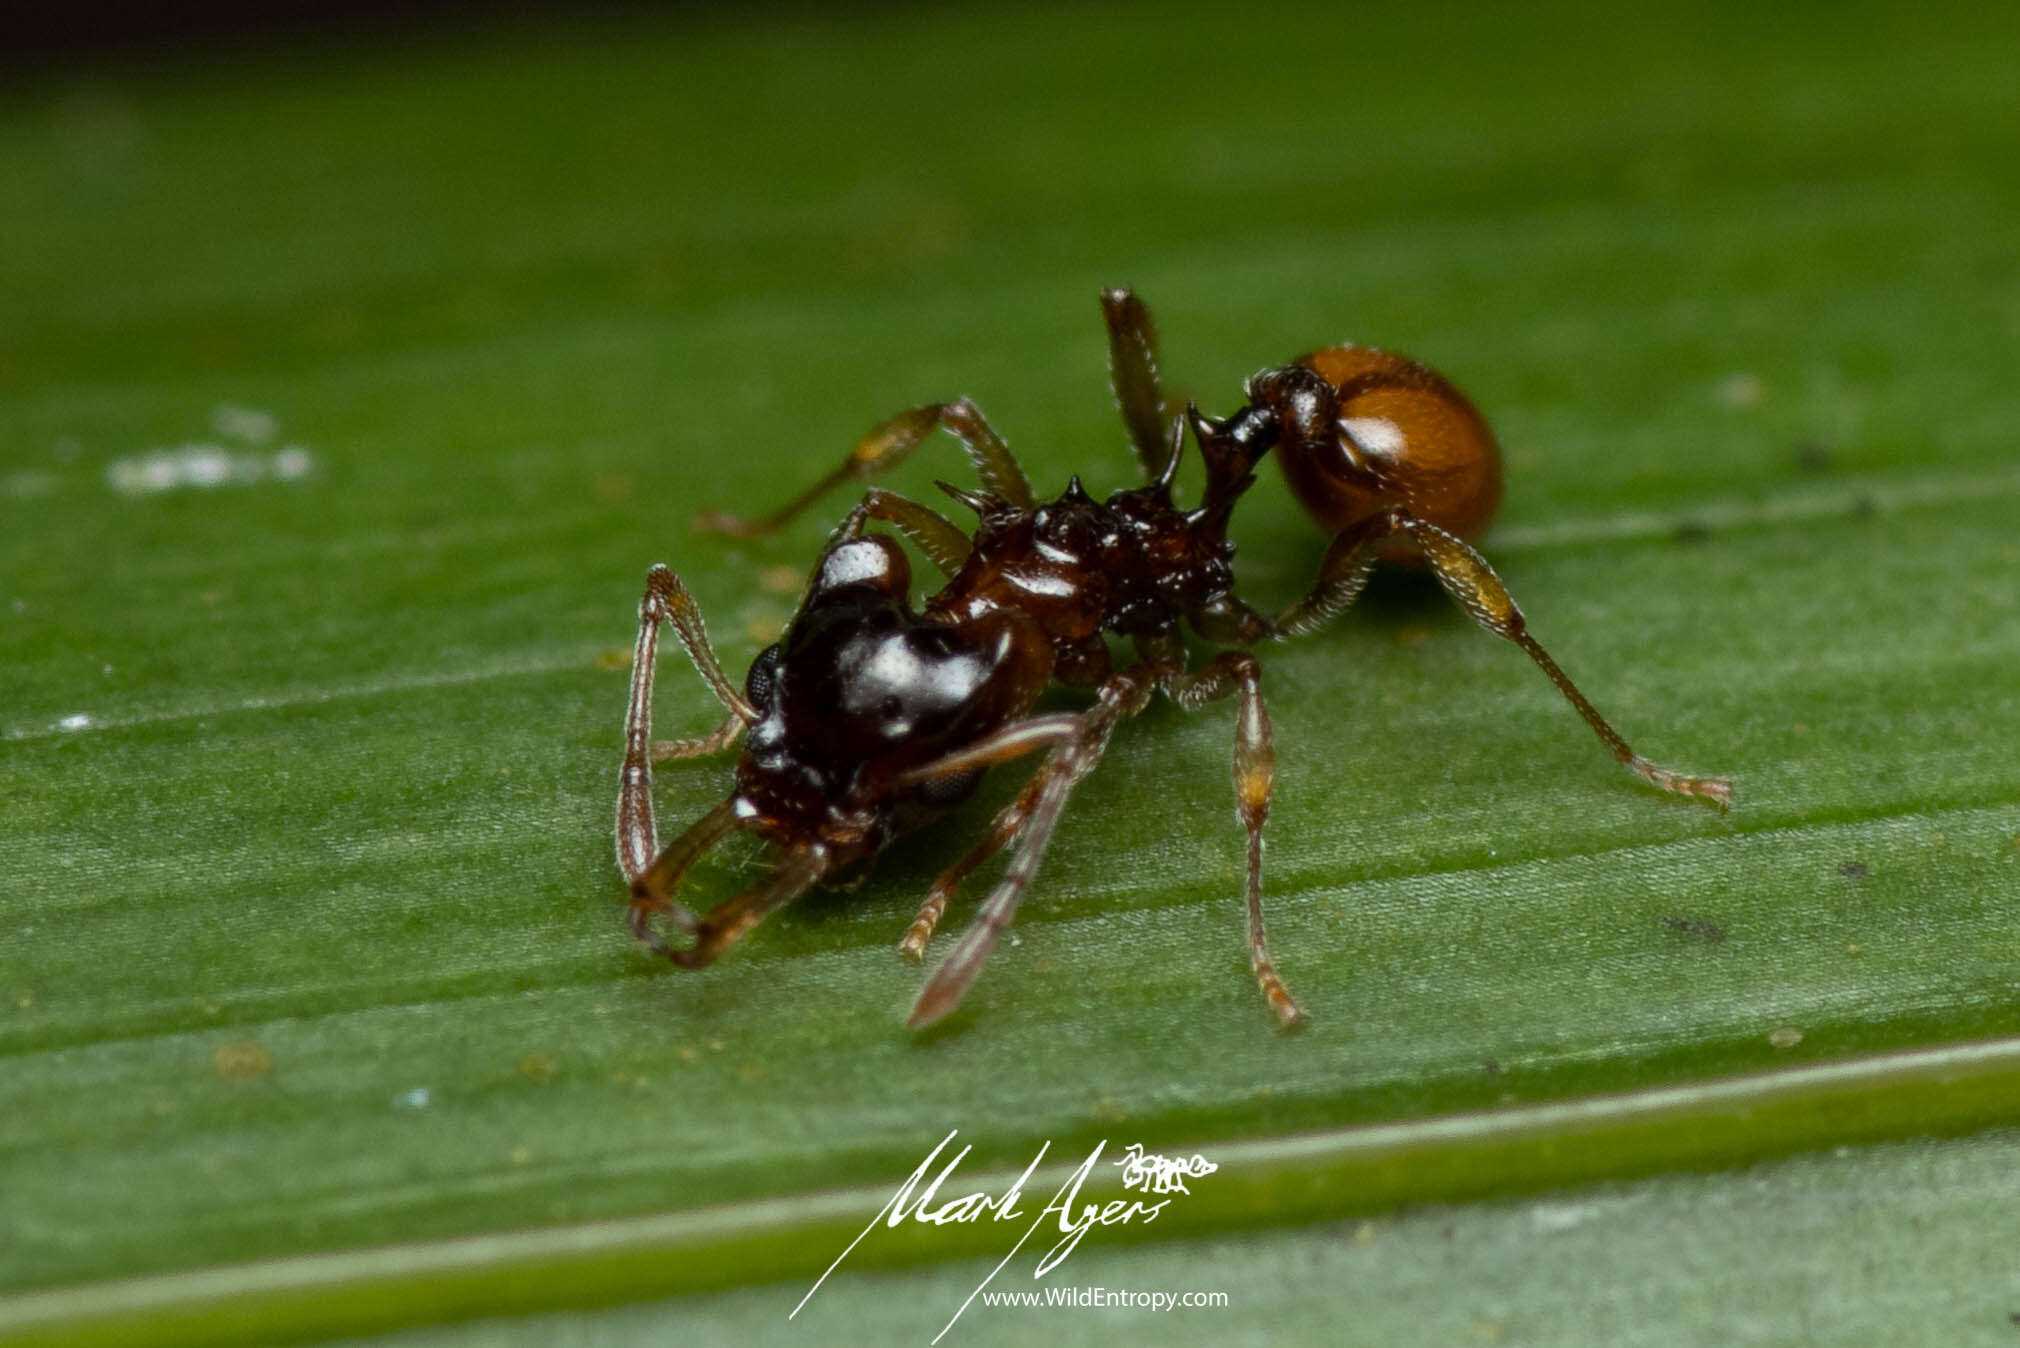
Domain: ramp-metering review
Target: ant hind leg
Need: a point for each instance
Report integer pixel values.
(1474, 587)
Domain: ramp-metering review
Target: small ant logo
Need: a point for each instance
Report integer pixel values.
(1160, 1174)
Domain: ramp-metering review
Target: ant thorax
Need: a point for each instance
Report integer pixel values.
(1133, 565)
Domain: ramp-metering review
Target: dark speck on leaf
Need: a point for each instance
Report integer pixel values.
(1864, 506)
(1491, 1068)
(1692, 531)
(1700, 927)
(1853, 870)
(1813, 456)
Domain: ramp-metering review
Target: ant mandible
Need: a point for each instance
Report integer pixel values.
(868, 719)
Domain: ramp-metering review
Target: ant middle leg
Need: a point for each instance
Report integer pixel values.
(1254, 778)
(888, 444)
(1475, 587)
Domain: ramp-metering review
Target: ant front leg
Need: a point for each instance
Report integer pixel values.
(700, 746)
(652, 873)
(1472, 585)
(1079, 747)
(1012, 741)
(795, 873)
(888, 444)
(1002, 829)
(1255, 760)
(653, 887)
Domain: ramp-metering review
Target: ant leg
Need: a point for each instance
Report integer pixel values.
(931, 532)
(1000, 746)
(1001, 830)
(885, 446)
(1122, 695)
(1255, 770)
(1342, 576)
(1012, 741)
(1227, 621)
(652, 888)
(666, 600)
(701, 746)
(1472, 585)
(1132, 376)
(793, 876)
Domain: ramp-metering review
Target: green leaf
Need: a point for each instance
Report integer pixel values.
(310, 937)
(1850, 1246)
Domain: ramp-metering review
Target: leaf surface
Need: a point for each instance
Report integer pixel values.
(350, 393)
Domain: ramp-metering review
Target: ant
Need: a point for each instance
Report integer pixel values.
(869, 718)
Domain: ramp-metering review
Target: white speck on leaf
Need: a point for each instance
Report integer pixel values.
(243, 423)
(1739, 390)
(1548, 1217)
(203, 466)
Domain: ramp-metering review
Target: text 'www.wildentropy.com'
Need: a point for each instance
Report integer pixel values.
(1104, 1298)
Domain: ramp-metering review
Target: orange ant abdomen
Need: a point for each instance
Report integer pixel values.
(1408, 439)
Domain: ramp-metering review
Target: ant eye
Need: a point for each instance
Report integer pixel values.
(950, 790)
(758, 684)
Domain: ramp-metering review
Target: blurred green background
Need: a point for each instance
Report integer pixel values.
(348, 385)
